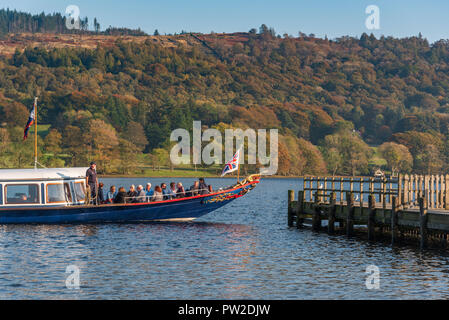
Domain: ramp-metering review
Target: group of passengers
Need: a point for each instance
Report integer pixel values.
(147, 194)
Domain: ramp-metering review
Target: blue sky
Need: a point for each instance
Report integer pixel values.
(334, 18)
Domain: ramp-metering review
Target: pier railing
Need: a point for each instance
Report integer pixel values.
(407, 189)
(405, 206)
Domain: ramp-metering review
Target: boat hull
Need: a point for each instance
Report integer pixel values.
(171, 210)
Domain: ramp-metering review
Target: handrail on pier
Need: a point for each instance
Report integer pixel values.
(406, 188)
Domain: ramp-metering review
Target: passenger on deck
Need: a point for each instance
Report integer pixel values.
(91, 175)
(165, 191)
(180, 192)
(110, 196)
(121, 196)
(172, 191)
(141, 194)
(149, 192)
(210, 188)
(158, 196)
(193, 190)
(204, 188)
(132, 193)
(100, 193)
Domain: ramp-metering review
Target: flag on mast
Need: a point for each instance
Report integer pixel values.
(29, 123)
(233, 164)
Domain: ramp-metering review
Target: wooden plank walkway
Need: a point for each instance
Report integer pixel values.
(407, 208)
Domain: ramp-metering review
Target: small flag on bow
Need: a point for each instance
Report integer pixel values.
(233, 164)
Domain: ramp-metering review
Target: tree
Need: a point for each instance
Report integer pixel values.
(4, 140)
(283, 159)
(14, 114)
(135, 133)
(96, 25)
(353, 150)
(128, 156)
(52, 142)
(333, 158)
(429, 161)
(71, 142)
(161, 157)
(398, 157)
(101, 139)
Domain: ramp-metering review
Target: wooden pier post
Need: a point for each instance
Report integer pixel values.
(323, 198)
(341, 190)
(332, 213)
(371, 215)
(426, 189)
(300, 209)
(405, 199)
(446, 192)
(394, 220)
(430, 199)
(437, 191)
(361, 192)
(316, 216)
(412, 190)
(350, 216)
(291, 198)
(423, 222)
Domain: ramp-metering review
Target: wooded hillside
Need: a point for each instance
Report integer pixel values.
(330, 99)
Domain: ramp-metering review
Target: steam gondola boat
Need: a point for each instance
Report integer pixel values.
(58, 196)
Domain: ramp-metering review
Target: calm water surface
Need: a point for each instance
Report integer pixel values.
(243, 250)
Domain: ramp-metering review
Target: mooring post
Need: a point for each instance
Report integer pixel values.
(423, 221)
(394, 220)
(300, 209)
(291, 198)
(316, 216)
(332, 212)
(371, 215)
(350, 216)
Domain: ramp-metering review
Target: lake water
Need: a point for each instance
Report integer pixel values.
(242, 251)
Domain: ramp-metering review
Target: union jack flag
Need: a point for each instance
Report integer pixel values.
(29, 123)
(232, 165)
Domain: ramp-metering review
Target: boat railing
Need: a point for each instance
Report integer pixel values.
(145, 199)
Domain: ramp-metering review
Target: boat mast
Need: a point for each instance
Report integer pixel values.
(35, 133)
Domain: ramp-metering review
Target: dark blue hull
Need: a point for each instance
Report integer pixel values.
(178, 209)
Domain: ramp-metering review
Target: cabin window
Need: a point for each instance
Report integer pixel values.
(80, 191)
(22, 193)
(1, 194)
(58, 192)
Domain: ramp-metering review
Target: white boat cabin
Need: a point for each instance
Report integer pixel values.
(42, 187)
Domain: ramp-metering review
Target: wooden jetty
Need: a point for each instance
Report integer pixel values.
(407, 208)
